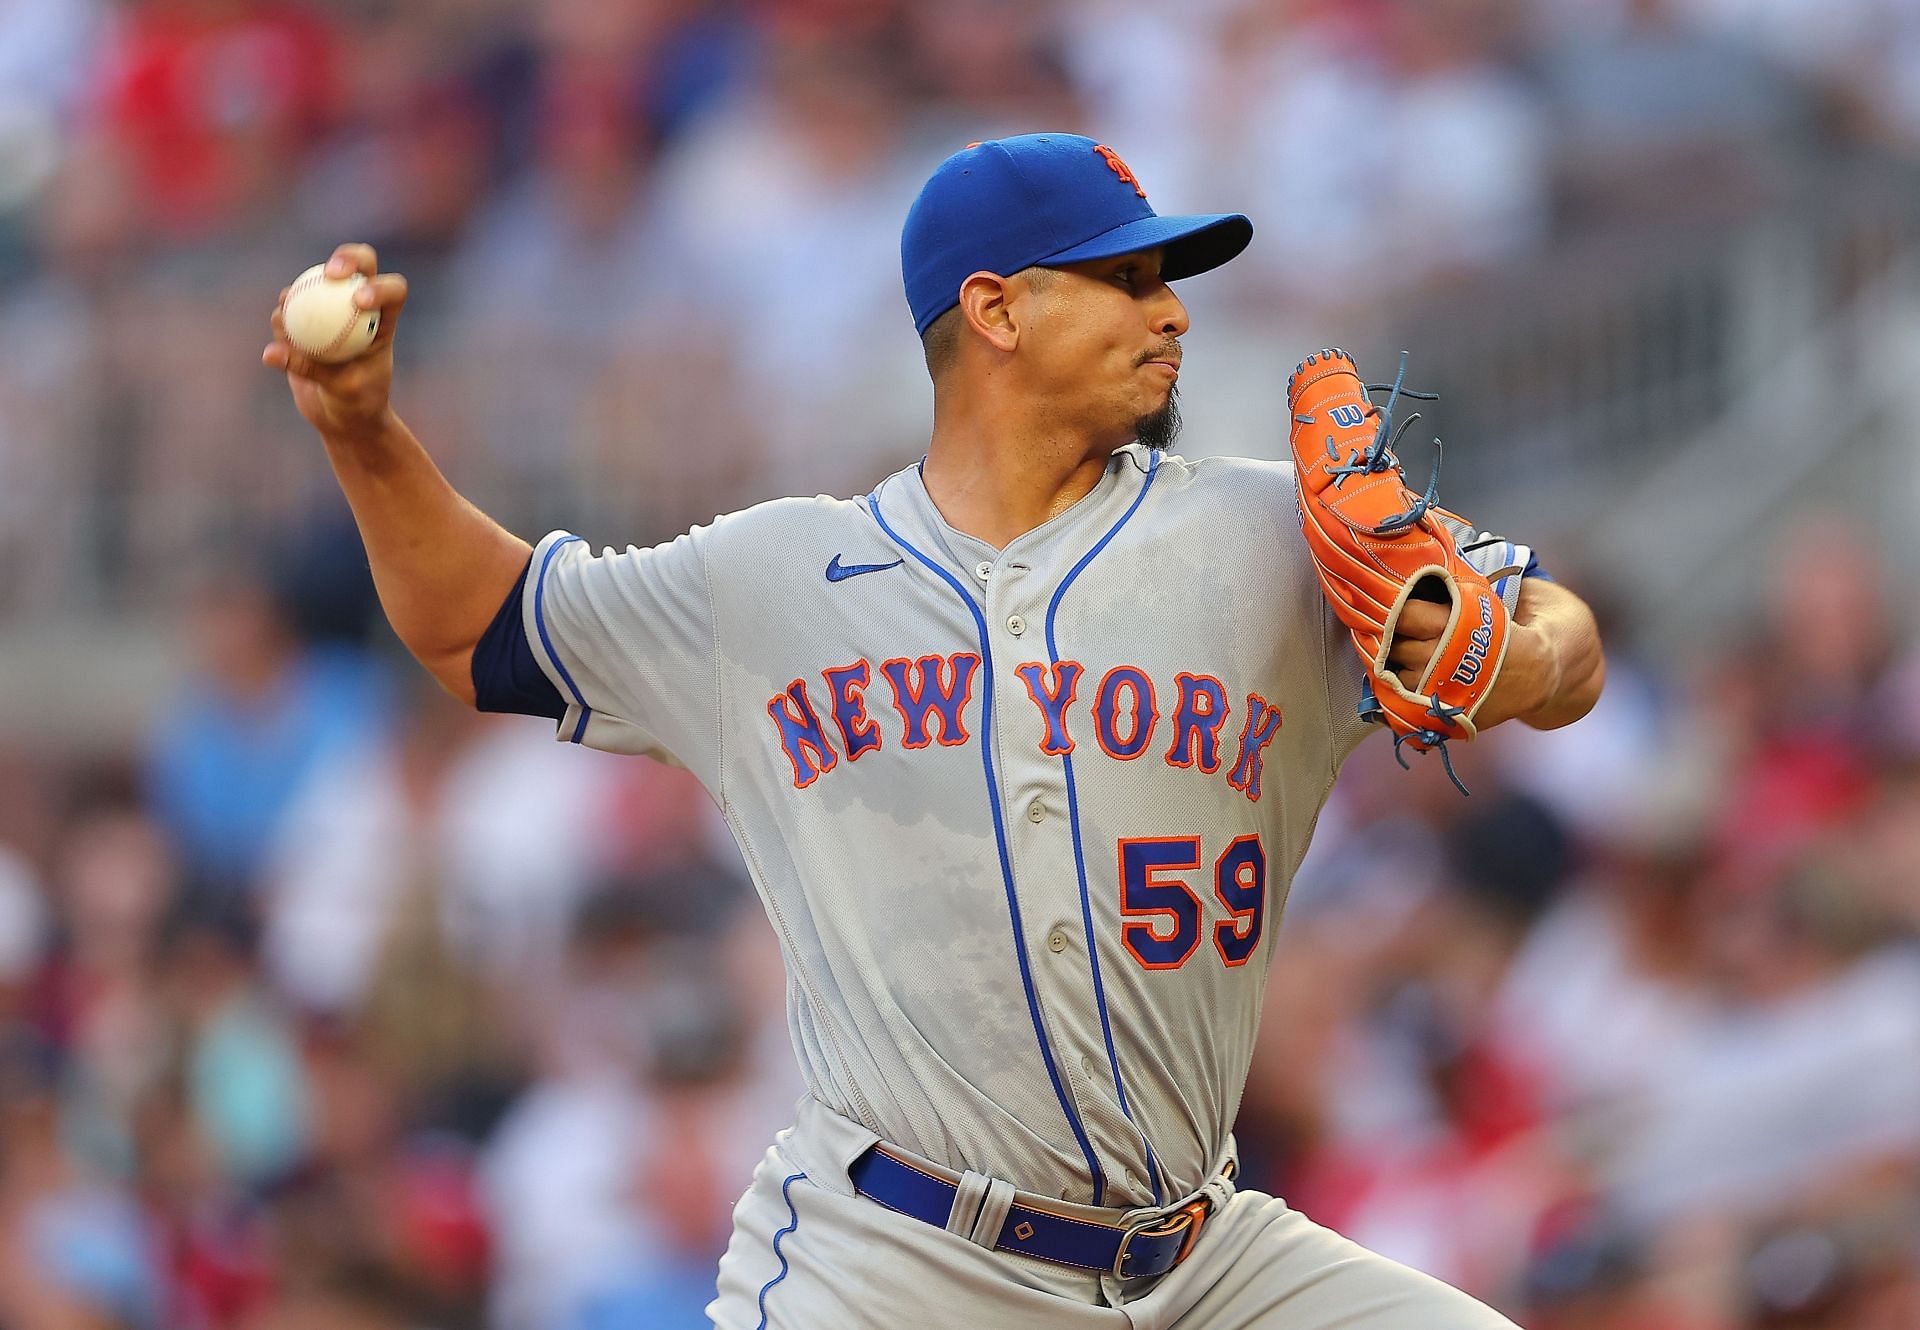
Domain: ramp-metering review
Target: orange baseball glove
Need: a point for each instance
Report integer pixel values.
(1376, 544)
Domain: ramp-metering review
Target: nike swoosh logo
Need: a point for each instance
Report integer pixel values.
(840, 572)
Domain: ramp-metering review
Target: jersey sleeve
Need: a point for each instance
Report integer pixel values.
(628, 641)
(506, 677)
(1504, 563)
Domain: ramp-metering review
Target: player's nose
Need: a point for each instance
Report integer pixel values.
(1169, 314)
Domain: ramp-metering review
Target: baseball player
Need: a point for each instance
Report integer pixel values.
(1022, 749)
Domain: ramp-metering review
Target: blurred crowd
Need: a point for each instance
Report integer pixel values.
(337, 1004)
(324, 1002)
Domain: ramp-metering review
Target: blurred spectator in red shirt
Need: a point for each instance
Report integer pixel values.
(209, 105)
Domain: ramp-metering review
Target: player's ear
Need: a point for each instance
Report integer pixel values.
(986, 305)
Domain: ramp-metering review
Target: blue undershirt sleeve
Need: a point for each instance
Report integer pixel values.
(506, 677)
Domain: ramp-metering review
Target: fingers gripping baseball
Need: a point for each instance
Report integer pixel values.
(351, 396)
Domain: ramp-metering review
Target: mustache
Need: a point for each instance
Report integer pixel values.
(1167, 350)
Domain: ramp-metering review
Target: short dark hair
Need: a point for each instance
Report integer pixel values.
(941, 341)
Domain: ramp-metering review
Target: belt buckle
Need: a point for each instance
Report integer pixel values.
(1187, 1220)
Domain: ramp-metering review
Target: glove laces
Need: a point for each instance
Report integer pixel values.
(1381, 456)
(1428, 738)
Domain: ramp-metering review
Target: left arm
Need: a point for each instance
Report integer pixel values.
(1554, 665)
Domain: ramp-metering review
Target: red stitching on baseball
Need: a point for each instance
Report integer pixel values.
(353, 320)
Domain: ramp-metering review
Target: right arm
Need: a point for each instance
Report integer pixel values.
(441, 566)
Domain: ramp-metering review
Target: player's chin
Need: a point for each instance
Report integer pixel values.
(1158, 428)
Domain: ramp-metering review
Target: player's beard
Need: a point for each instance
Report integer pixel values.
(1157, 430)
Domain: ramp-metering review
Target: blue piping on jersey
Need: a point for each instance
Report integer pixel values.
(1079, 853)
(793, 1222)
(540, 623)
(1000, 841)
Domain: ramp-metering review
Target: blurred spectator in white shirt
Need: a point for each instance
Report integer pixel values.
(505, 826)
(782, 213)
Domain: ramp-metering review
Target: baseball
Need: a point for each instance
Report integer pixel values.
(321, 319)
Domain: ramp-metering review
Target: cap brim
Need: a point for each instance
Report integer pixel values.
(1193, 244)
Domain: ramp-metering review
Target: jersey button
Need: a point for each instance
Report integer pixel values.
(982, 569)
(1016, 625)
(1036, 811)
(1056, 941)
(1086, 1065)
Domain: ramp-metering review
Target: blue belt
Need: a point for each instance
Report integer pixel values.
(1140, 1252)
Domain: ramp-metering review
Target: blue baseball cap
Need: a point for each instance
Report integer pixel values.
(1043, 199)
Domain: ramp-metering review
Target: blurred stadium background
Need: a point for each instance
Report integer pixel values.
(323, 1003)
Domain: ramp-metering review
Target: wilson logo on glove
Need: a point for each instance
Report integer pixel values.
(1478, 643)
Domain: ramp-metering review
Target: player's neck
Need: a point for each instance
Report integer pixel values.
(997, 486)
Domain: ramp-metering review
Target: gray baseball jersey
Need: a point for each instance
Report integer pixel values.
(1024, 819)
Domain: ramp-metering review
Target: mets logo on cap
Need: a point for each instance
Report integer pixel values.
(1120, 168)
